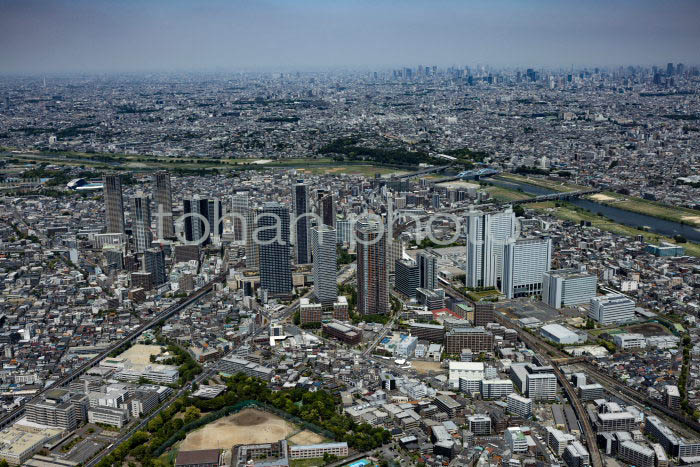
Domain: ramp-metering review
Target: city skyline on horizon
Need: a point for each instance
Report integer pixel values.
(76, 37)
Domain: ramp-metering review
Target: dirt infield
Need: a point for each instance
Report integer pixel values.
(427, 367)
(306, 437)
(248, 426)
(648, 329)
(140, 354)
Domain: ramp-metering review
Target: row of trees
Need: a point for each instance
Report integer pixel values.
(318, 408)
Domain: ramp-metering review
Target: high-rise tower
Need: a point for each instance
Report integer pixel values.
(372, 271)
(487, 233)
(325, 265)
(275, 268)
(163, 198)
(114, 204)
(141, 222)
(301, 207)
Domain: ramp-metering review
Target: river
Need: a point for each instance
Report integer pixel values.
(621, 216)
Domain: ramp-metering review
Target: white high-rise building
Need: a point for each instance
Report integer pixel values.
(568, 287)
(611, 308)
(541, 386)
(325, 265)
(487, 233)
(524, 263)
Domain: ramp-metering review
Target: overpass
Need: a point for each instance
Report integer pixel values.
(78, 372)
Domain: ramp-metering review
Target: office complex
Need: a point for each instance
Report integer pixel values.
(302, 222)
(372, 280)
(611, 308)
(163, 198)
(407, 277)
(568, 287)
(325, 265)
(487, 233)
(275, 266)
(524, 263)
(244, 226)
(427, 270)
(141, 222)
(327, 209)
(114, 204)
(154, 264)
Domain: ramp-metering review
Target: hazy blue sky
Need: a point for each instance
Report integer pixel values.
(131, 35)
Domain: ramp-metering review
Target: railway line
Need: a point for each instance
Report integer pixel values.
(546, 352)
(78, 372)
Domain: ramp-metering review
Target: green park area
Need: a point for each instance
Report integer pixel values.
(506, 194)
(553, 185)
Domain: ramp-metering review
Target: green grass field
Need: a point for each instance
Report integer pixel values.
(146, 163)
(506, 194)
(544, 183)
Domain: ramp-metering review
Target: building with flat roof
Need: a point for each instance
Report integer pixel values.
(313, 451)
(557, 440)
(343, 332)
(519, 405)
(563, 288)
(524, 263)
(636, 454)
(232, 364)
(476, 339)
(515, 439)
(559, 334)
(479, 424)
(611, 308)
(576, 455)
(465, 370)
(19, 442)
(665, 249)
(629, 340)
(199, 458)
(428, 332)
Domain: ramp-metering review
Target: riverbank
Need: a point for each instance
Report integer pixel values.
(566, 211)
(553, 185)
(602, 204)
(634, 204)
(140, 163)
(650, 208)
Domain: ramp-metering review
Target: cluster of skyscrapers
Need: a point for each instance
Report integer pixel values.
(497, 258)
